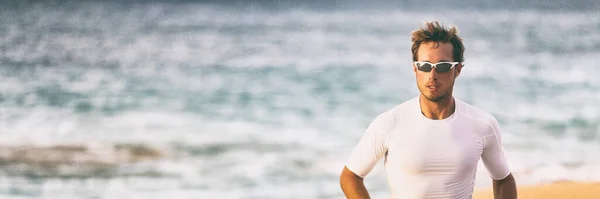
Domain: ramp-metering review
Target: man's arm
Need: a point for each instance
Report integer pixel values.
(365, 155)
(495, 161)
(352, 185)
(505, 188)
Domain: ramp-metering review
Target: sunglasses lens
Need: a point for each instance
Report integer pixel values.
(425, 67)
(443, 67)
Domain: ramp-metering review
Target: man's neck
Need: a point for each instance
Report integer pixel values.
(437, 110)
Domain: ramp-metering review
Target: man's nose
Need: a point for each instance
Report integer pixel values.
(433, 74)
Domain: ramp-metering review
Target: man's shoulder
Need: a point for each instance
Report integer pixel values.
(481, 119)
(403, 108)
(474, 112)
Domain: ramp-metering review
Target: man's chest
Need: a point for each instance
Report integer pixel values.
(434, 150)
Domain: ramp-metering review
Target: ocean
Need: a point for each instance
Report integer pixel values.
(201, 99)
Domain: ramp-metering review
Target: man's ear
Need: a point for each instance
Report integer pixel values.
(414, 68)
(457, 70)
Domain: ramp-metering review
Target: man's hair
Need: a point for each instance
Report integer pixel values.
(434, 32)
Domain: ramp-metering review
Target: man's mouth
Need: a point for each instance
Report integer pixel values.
(432, 87)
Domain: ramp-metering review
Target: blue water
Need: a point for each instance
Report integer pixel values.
(263, 102)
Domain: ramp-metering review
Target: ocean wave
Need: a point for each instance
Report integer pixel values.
(78, 160)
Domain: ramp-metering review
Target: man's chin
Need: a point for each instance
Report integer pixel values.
(434, 98)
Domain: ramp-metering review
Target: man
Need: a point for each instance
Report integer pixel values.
(431, 143)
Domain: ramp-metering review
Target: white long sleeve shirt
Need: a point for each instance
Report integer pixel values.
(427, 158)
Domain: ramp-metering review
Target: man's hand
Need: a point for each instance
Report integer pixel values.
(352, 185)
(505, 188)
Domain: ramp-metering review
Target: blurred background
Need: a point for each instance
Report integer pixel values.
(266, 99)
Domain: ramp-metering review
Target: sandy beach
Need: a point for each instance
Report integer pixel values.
(558, 190)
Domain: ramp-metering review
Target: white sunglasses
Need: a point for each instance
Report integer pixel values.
(440, 67)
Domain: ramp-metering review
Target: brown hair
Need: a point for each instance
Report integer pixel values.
(434, 32)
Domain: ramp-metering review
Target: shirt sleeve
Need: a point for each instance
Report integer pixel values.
(493, 153)
(372, 146)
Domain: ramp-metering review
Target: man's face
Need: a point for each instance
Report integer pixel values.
(435, 85)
